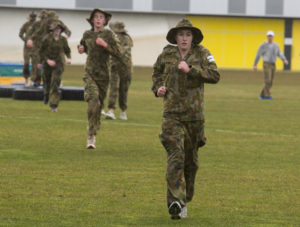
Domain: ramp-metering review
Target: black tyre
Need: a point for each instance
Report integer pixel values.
(72, 93)
(24, 93)
(6, 91)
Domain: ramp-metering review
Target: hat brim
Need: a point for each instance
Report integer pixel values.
(118, 30)
(106, 14)
(197, 34)
(62, 29)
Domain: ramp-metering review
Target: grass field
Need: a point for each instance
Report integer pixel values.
(248, 175)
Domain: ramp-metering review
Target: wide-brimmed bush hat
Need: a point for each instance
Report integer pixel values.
(56, 24)
(117, 26)
(106, 14)
(185, 24)
(51, 15)
(43, 14)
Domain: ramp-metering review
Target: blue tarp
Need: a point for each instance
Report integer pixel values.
(10, 64)
(11, 69)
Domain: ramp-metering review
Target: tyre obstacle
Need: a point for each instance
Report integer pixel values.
(6, 91)
(72, 93)
(20, 92)
(28, 93)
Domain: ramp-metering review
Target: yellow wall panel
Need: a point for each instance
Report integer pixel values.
(296, 46)
(207, 23)
(233, 55)
(253, 41)
(234, 41)
(234, 25)
(254, 25)
(210, 41)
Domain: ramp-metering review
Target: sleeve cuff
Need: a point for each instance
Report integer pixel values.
(193, 73)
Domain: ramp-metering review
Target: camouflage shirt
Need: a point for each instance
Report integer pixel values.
(24, 30)
(126, 45)
(41, 28)
(33, 33)
(97, 62)
(54, 49)
(184, 99)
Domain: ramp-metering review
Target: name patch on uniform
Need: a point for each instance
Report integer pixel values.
(210, 58)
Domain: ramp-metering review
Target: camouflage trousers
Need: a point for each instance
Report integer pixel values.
(181, 140)
(269, 73)
(94, 94)
(52, 79)
(120, 79)
(35, 72)
(28, 56)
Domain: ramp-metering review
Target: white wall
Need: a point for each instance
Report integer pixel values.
(53, 3)
(291, 8)
(256, 7)
(265, 8)
(209, 6)
(147, 30)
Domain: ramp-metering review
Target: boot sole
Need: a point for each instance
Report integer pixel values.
(174, 211)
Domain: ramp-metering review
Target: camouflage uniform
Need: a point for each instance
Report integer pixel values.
(27, 52)
(42, 29)
(54, 50)
(96, 77)
(32, 35)
(183, 114)
(53, 18)
(119, 74)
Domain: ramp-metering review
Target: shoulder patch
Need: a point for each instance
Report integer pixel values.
(210, 58)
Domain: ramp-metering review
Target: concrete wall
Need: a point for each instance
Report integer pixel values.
(232, 40)
(147, 30)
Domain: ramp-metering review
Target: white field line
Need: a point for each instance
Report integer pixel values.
(78, 120)
(253, 133)
(147, 125)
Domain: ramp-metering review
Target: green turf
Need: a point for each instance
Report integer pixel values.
(248, 175)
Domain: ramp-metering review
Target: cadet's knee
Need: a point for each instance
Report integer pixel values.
(94, 100)
(93, 104)
(91, 97)
(174, 148)
(168, 140)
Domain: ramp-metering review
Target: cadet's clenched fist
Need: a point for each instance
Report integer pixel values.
(101, 42)
(161, 91)
(183, 66)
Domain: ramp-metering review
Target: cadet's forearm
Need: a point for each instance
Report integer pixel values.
(211, 76)
(21, 36)
(157, 76)
(157, 81)
(115, 52)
